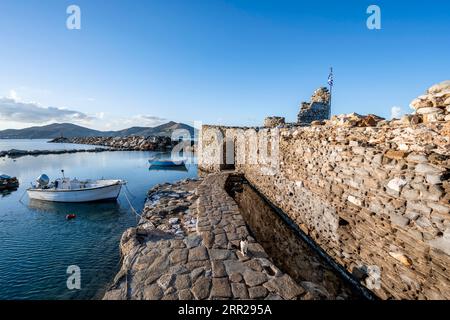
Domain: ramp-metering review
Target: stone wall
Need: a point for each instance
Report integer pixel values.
(376, 199)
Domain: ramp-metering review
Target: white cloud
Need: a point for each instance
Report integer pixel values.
(19, 114)
(147, 120)
(13, 95)
(119, 123)
(29, 112)
(100, 115)
(396, 112)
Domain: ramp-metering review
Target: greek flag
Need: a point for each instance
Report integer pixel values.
(330, 78)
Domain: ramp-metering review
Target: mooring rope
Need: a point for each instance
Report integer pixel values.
(131, 194)
(23, 194)
(131, 206)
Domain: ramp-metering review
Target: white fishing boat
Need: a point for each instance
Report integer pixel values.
(74, 190)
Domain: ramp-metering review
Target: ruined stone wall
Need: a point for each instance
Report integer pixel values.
(316, 111)
(376, 199)
(272, 122)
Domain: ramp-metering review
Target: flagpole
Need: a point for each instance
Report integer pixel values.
(330, 83)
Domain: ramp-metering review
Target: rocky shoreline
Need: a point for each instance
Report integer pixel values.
(186, 246)
(8, 183)
(129, 143)
(14, 153)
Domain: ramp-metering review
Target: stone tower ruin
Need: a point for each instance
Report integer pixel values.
(317, 109)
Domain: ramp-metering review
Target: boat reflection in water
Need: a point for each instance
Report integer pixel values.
(181, 168)
(93, 210)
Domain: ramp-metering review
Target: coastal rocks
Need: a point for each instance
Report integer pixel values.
(8, 183)
(151, 143)
(167, 209)
(316, 110)
(60, 140)
(14, 153)
(434, 105)
(273, 122)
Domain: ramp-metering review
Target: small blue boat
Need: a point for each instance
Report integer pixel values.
(166, 162)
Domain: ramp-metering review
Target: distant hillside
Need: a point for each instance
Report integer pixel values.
(69, 130)
(161, 130)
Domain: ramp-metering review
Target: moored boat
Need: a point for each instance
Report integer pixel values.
(166, 162)
(73, 190)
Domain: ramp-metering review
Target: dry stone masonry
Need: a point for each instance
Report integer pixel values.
(434, 105)
(272, 122)
(374, 194)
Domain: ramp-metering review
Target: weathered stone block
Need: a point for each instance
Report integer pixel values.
(239, 291)
(220, 288)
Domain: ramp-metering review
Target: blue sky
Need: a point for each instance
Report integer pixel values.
(216, 61)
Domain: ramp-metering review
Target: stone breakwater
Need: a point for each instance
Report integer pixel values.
(130, 143)
(186, 246)
(14, 153)
(373, 194)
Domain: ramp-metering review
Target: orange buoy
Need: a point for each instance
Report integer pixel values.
(71, 216)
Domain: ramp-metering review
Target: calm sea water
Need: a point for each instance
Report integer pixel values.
(39, 144)
(37, 243)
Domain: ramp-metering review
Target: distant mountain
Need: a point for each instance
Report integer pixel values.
(161, 130)
(69, 130)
